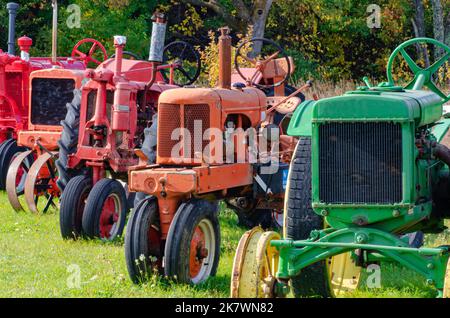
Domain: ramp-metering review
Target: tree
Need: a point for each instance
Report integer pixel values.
(240, 14)
(438, 25)
(418, 23)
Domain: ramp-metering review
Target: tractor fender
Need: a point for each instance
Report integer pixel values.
(301, 122)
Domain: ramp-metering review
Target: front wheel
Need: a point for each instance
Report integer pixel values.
(193, 242)
(106, 209)
(8, 152)
(144, 248)
(73, 201)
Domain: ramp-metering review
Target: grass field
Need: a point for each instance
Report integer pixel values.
(36, 262)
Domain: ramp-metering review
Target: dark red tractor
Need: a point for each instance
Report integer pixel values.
(117, 116)
(15, 82)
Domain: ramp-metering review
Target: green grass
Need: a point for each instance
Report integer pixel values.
(34, 262)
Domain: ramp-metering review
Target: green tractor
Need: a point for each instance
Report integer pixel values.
(370, 167)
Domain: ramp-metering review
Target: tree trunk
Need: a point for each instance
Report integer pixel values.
(447, 30)
(438, 26)
(261, 9)
(419, 30)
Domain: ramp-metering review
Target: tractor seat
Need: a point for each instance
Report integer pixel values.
(287, 107)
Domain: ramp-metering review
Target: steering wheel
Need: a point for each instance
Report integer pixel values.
(128, 53)
(422, 76)
(260, 63)
(186, 60)
(86, 58)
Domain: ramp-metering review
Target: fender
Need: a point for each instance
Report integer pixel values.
(300, 125)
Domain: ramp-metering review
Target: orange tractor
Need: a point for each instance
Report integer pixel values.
(226, 143)
(117, 110)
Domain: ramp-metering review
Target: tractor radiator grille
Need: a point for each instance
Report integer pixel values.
(195, 121)
(49, 97)
(168, 120)
(360, 163)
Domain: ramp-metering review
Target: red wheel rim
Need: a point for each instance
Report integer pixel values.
(109, 216)
(198, 252)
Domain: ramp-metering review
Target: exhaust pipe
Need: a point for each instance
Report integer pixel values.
(158, 38)
(55, 31)
(12, 8)
(225, 58)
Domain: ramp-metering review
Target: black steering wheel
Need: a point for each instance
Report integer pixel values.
(186, 61)
(259, 62)
(130, 54)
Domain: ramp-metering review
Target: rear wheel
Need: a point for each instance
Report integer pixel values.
(325, 278)
(106, 209)
(193, 242)
(144, 248)
(73, 201)
(69, 141)
(8, 151)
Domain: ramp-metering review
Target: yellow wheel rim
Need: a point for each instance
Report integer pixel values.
(343, 274)
(446, 291)
(255, 265)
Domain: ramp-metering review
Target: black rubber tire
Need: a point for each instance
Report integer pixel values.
(69, 141)
(250, 218)
(8, 149)
(94, 205)
(72, 206)
(177, 249)
(301, 220)
(139, 258)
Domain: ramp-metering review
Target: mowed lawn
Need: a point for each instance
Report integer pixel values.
(36, 262)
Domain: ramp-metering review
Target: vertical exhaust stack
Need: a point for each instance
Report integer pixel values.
(158, 38)
(225, 58)
(55, 31)
(12, 10)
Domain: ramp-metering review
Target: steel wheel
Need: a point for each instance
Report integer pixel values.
(255, 265)
(41, 183)
(446, 291)
(343, 274)
(15, 179)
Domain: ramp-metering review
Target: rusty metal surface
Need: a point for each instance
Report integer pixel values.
(11, 189)
(41, 182)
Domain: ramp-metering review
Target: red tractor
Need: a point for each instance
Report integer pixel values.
(118, 110)
(15, 83)
(226, 143)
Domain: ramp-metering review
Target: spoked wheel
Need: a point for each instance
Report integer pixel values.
(15, 180)
(193, 242)
(8, 152)
(73, 201)
(326, 278)
(105, 212)
(255, 265)
(89, 51)
(144, 248)
(40, 184)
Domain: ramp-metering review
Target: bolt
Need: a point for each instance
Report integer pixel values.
(430, 266)
(396, 213)
(324, 213)
(430, 282)
(361, 238)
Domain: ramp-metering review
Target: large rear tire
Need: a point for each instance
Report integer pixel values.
(193, 243)
(69, 140)
(325, 278)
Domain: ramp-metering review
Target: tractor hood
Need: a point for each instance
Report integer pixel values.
(421, 107)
